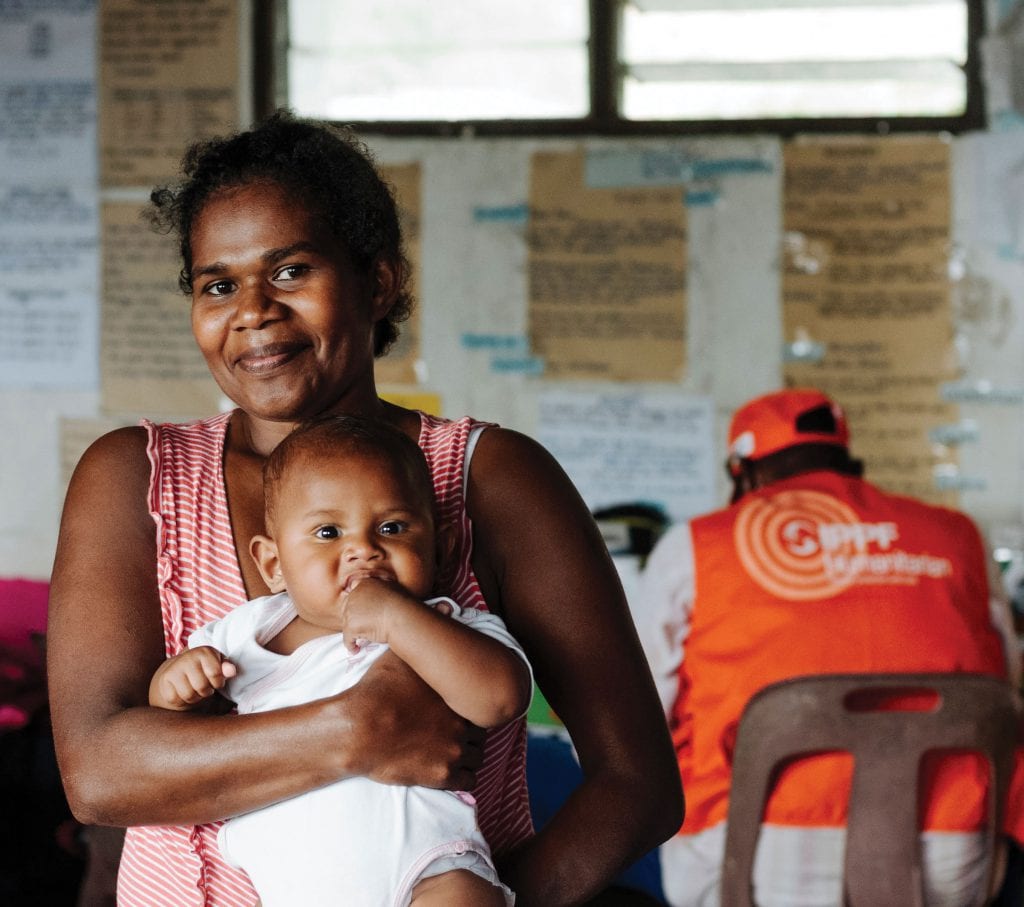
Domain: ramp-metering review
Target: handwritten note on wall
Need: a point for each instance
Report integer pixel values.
(867, 232)
(607, 275)
(168, 75)
(49, 221)
(48, 92)
(399, 365)
(150, 362)
(48, 240)
(634, 447)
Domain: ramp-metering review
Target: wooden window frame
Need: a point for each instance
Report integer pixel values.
(269, 22)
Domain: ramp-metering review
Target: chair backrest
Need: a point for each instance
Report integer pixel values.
(814, 714)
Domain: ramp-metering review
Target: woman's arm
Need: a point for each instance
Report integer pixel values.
(124, 763)
(480, 678)
(543, 567)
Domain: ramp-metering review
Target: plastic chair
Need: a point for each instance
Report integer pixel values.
(833, 712)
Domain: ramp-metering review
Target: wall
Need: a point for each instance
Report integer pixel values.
(735, 335)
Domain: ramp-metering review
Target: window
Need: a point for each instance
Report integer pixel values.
(625, 66)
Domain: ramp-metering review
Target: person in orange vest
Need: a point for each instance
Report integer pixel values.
(812, 570)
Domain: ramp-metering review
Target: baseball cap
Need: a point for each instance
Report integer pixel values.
(783, 419)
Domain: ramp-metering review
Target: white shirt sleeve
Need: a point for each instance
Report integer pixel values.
(491, 625)
(1002, 616)
(662, 605)
(1002, 620)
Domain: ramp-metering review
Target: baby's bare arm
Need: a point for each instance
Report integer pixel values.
(479, 677)
(187, 679)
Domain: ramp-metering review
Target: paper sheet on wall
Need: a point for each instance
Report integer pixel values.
(997, 192)
(867, 231)
(607, 275)
(48, 92)
(169, 74)
(49, 223)
(633, 447)
(399, 365)
(48, 251)
(150, 361)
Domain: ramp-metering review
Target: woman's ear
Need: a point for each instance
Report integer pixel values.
(264, 552)
(387, 281)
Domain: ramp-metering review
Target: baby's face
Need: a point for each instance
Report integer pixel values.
(345, 518)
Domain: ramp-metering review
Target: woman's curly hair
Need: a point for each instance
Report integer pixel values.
(328, 170)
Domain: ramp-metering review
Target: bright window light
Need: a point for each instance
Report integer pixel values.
(754, 59)
(438, 60)
(504, 64)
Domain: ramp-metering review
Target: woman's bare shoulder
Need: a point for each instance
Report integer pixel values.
(510, 469)
(113, 469)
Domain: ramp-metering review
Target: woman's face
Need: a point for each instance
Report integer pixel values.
(282, 317)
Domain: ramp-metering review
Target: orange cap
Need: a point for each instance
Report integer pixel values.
(773, 422)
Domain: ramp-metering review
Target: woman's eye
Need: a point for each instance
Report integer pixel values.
(291, 272)
(327, 532)
(218, 288)
(391, 527)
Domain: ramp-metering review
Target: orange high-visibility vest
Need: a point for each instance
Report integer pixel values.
(825, 574)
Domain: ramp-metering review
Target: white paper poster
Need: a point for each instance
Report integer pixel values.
(49, 223)
(633, 447)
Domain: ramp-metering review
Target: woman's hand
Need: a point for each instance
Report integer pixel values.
(403, 733)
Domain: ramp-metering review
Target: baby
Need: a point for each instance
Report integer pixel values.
(351, 553)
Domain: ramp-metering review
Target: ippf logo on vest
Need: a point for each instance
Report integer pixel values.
(807, 545)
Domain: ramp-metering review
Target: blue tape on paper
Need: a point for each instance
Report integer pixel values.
(607, 169)
(523, 365)
(701, 199)
(472, 341)
(505, 214)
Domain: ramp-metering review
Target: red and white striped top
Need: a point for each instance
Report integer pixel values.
(200, 579)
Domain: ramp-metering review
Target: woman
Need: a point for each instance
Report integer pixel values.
(292, 256)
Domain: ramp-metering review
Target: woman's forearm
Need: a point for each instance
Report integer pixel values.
(146, 766)
(143, 766)
(567, 863)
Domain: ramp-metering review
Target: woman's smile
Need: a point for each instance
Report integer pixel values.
(263, 359)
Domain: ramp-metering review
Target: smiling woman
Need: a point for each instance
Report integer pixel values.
(262, 269)
(292, 255)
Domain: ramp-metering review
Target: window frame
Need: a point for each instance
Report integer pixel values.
(269, 39)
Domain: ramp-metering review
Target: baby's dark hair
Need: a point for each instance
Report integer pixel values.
(334, 436)
(327, 170)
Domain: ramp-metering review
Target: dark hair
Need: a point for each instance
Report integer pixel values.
(748, 475)
(333, 436)
(326, 168)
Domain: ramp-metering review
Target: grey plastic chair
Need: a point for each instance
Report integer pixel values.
(821, 713)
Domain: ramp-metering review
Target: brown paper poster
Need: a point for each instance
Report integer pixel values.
(867, 232)
(169, 75)
(149, 360)
(607, 275)
(399, 365)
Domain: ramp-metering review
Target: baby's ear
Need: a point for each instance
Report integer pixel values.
(264, 552)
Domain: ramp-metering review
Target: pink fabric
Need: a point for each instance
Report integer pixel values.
(23, 606)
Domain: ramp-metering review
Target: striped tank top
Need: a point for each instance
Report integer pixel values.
(200, 580)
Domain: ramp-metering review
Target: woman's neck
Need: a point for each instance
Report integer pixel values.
(258, 437)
